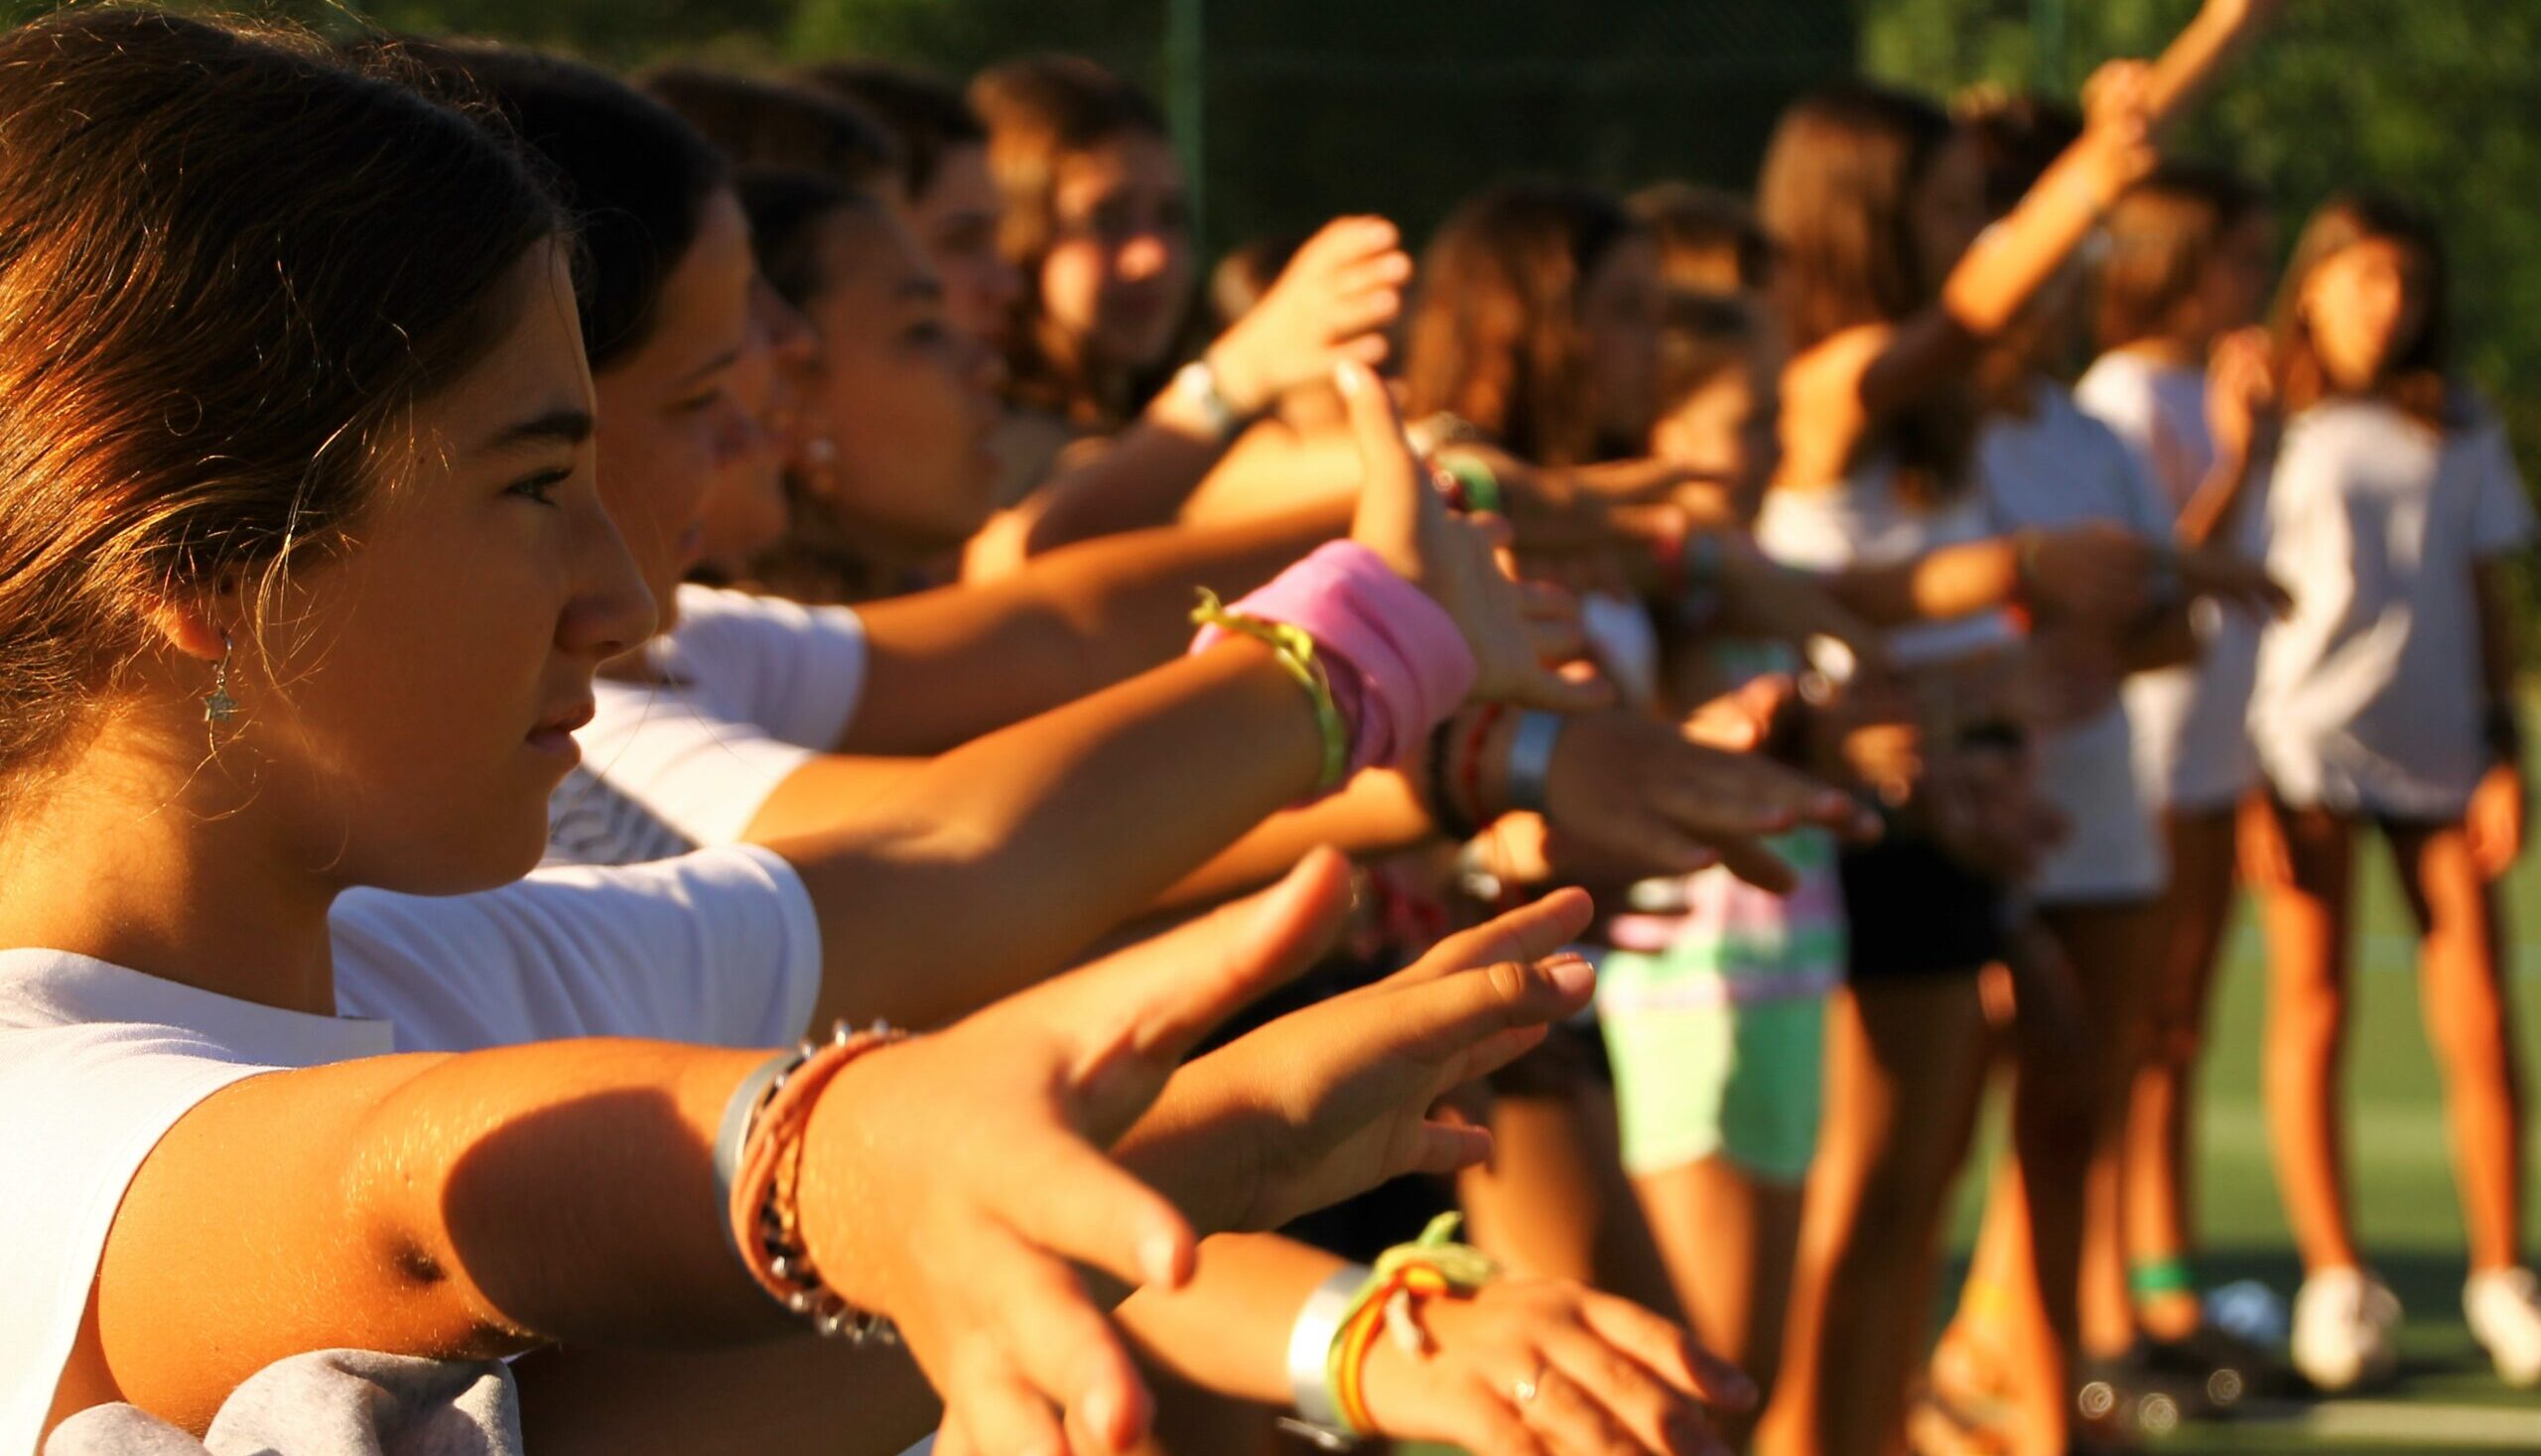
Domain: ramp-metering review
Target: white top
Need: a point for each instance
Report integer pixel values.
(1864, 521)
(2192, 743)
(751, 687)
(2061, 467)
(97, 1061)
(2370, 696)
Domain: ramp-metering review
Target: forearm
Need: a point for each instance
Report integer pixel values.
(2194, 58)
(1228, 1329)
(1380, 812)
(1271, 473)
(1003, 859)
(1141, 479)
(802, 1395)
(2016, 257)
(428, 1205)
(1950, 580)
(945, 666)
(2210, 511)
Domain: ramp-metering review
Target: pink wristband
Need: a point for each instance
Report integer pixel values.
(1397, 664)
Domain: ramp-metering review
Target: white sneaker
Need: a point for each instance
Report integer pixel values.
(2504, 1307)
(2344, 1327)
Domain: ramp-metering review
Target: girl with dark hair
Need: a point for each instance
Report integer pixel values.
(325, 634)
(1094, 220)
(2182, 380)
(2387, 699)
(1875, 202)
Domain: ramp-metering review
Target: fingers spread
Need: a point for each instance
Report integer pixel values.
(1527, 933)
(1106, 1220)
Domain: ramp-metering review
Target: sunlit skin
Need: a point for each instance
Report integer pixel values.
(672, 418)
(1619, 308)
(905, 399)
(2364, 306)
(956, 221)
(1729, 429)
(414, 715)
(1119, 274)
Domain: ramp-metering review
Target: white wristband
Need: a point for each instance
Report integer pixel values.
(1531, 748)
(1310, 1355)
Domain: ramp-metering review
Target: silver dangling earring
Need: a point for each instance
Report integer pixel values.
(217, 706)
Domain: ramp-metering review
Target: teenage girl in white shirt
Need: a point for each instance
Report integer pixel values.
(2191, 251)
(2388, 700)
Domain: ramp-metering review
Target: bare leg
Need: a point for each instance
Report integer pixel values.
(2469, 1018)
(2307, 940)
(2159, 1160)
(1727, 1236)
(1904, 1061)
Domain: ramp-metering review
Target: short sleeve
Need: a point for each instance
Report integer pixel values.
(80, 1110)
(2123, 397)
(2501, 509)
(796, 672)
(719, 948)
(662, 774)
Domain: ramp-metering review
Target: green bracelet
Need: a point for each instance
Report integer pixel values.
(1294, 648)
(1482, 487)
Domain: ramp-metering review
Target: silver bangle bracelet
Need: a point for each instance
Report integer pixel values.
(1530, 758)
(1310, 1355)
(735, 1135)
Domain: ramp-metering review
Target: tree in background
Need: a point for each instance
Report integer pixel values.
(2438, 98)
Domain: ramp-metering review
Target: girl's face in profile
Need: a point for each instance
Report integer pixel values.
(1947, 209)
(905, 399)
(424, 683)
(1729, 430)
(1119, 271)
(673, 419)
(2364, 306)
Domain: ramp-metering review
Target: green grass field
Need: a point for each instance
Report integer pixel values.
(2446, 1397)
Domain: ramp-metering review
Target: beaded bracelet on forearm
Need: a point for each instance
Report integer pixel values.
(758, 1167)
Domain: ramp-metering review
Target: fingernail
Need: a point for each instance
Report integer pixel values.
(1160, 1257)
(1571, 974)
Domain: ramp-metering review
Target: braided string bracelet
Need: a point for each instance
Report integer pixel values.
(1295, 647)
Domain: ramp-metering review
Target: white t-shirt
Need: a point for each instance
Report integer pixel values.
(97, 1061)
(2062, 468)
(1864, 521)
(2192, 739)
(751, 687)
(2370, 696)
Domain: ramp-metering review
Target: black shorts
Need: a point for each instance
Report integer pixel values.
(1912, 910)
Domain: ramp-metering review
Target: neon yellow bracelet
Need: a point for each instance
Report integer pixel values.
(1430, 1265)
(1294, 648)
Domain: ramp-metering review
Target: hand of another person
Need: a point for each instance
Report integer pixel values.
(1331, 303)
(1456, 561)
(950, 1182)
(2235, 579)
(1606, 1375)
(2099, 572)
(2240, 395)
(2494, 823)
(1633, 789)
(1328, 1101)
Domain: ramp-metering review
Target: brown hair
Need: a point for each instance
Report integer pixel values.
(1709, 240)
(635, 176)
(1039, 111)
(786, 206)
(926, 117)
(2162, 234)
(1837, 198)
(761, 123)
(2018, 135)
(2417, 378)
(1702, 336)
(228, 268)
(1493, 333)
